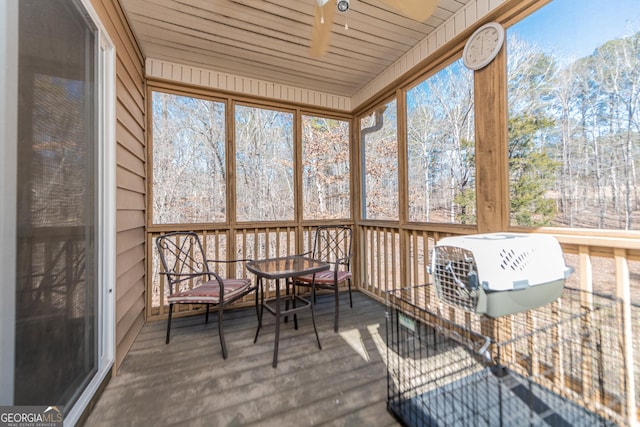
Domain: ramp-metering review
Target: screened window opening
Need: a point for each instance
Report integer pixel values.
(264, 164)
(379, 138)
(441, 148)
(325, 168)
(574, 121)
(189, 166)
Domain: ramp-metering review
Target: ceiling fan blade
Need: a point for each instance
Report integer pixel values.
(418, 10)
(322, 22)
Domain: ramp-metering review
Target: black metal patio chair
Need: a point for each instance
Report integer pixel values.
(194, 279)
(332, 244)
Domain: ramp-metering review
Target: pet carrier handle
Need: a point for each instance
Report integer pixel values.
(484, 350)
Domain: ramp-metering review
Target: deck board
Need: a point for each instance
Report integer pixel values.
(188, 383)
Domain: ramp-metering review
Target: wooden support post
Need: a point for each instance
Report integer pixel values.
(492, 174)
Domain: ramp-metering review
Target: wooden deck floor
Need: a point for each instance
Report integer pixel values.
(188, 383)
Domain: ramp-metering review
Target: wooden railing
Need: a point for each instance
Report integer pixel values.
(388, 257)
(391, 258)
(255, 242)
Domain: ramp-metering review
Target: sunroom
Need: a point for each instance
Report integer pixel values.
(128, 119)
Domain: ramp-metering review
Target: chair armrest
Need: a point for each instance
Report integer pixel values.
(223, 261)
(180, 277)
(199, 273)
(228, 261)
(345, 260)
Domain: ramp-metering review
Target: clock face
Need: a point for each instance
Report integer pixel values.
(483, 46)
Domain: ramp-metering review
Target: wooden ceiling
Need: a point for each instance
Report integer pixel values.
(270, 39)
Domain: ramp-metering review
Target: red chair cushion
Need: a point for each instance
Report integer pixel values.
(325, 277)
(209, 292)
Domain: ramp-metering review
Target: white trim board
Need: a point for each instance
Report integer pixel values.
(244, 85)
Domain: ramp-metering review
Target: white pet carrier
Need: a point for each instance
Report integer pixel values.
(499, 273)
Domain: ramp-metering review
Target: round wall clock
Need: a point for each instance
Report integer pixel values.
(483, 45)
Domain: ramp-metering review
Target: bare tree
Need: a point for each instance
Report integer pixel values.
(326, 169)
(441, 147)
(189, 173)
(264, 164)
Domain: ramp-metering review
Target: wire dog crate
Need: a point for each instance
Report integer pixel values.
(558, 365)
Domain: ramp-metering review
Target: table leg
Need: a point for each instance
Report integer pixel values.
(295, 314)
(259, 307)
(286, 302)
(313, 317)
(275, 346)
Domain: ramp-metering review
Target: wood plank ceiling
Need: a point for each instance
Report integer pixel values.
(270, 39)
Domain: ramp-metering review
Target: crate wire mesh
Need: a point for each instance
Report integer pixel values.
(498, 273)
(558, 365)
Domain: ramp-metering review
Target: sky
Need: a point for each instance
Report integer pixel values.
(587, 23)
